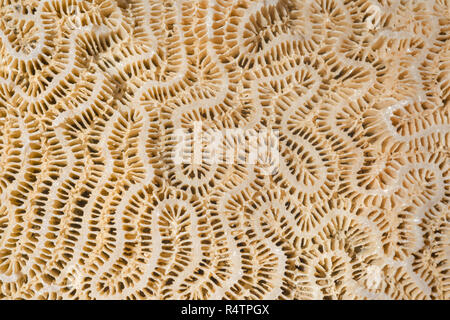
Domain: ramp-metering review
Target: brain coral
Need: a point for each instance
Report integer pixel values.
(99, 199)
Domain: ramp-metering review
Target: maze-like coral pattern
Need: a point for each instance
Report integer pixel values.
(92, 205)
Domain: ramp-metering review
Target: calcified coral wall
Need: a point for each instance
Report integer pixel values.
(92, 204)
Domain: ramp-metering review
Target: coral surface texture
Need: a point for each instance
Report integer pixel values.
(224, 149)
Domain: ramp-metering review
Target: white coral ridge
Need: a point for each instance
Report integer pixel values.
(314, 161)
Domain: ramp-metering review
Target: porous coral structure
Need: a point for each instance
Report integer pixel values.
(93, 205)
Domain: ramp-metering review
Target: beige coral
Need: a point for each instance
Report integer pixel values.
(93, 204)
